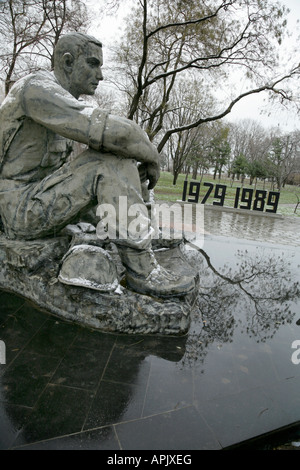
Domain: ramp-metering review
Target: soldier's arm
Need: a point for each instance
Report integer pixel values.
(125, 138)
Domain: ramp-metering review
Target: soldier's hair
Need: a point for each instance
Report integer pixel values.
(75, 43)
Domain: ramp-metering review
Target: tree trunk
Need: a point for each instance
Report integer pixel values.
(195, 171)
(297, 204)
(8, 81)
(220, 172)
(175, 176)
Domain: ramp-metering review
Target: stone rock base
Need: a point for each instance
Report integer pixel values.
(31, 270)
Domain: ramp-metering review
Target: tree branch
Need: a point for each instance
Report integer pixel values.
(191, 22)
(270, 87)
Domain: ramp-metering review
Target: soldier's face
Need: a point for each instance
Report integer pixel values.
(86, 72)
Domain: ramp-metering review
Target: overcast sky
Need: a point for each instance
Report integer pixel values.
(256, 106)
(253, 107)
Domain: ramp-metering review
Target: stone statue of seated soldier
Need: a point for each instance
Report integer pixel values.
(42, 190)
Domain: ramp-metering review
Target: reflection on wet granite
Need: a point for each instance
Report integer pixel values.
(229, 379)
(252, 296)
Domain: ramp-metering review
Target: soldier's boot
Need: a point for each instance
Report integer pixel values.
(145, 275)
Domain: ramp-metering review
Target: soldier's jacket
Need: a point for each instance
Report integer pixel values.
(39, 120)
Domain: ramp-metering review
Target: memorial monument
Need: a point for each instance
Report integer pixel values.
(57, 246)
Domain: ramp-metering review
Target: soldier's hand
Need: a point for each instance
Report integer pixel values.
(125, 138)
(151, 172)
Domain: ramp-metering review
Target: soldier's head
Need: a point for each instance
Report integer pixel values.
(77, 63)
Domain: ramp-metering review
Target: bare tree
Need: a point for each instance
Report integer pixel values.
(29, 30)
(189, 99)
(165, 40)
(268, 153)
(250, 139)
(284, 156)
(22, 26)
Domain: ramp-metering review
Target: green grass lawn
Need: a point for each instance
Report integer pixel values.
(166, 191)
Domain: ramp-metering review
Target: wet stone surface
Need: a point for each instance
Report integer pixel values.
(233, 378)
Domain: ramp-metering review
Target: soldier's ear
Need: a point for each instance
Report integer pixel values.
(68, 61)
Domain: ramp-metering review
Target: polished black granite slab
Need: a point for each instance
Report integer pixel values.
(230, 380)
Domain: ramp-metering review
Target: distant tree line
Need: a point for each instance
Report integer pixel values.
(240, 150)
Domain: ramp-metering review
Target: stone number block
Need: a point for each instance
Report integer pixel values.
(245, 198)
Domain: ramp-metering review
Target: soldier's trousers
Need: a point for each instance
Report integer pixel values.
(91, 180)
